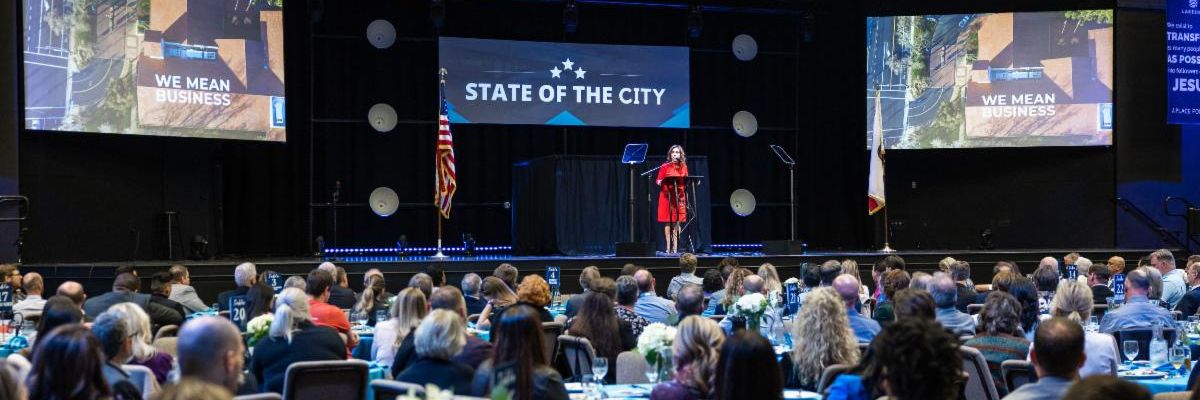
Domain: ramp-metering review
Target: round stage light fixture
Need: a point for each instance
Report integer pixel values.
(745, 48)
(381, 34)
(382, 117)
(384, 201)
(742, 202)
(745, 124)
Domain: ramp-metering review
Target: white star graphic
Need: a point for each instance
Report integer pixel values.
(555, 72)
(579, 73)
(568, 64)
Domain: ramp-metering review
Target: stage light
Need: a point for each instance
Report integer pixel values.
(381, 34)
(384, 201)
(745, 124)
(382, 117)
(695, 22)
(402, 245)
(570, 16)
(199, 247)
(745, 48)
(437, 13)
(742, 202)
(320, 245)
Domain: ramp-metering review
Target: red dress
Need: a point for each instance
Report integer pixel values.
(668, 173)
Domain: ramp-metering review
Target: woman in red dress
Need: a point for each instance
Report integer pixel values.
(672, 198)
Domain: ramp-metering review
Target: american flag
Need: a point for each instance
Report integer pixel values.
(444, 157)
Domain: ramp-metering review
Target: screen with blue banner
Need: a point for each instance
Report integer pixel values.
(1183, 62)
(549, 83)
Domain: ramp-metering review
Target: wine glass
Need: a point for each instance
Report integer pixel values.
(1130, 348)
(1176, 357)
(600, 368)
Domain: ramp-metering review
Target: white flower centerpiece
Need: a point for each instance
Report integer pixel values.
(751, 307)
(655, 345)
(432, 392)
(258, 328)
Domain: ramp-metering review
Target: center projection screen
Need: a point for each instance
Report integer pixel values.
(191, 68)
(991, 80)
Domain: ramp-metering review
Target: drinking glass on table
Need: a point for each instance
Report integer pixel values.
(1176, 357)
(1130, 347)
(600, 369)
(652, 374)
(589, 387)
(1093, 324)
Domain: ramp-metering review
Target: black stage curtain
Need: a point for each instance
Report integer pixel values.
(579, 205)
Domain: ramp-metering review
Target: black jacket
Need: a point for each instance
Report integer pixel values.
(341, 297)
(447, 375)
(1101, 292)
(475, 305)
(473, 353)
(966, 295)
(168, 303)
(1189, 303)
(159, 315)
(272, 356)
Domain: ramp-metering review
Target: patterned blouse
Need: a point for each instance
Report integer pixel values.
(634, 320)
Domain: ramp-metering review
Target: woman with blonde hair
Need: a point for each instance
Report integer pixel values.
(144, 352)
(696, 350)
(405, 314)
(771, 277)
(850, 267)
(292, 338)
(827, 339)
(733, 289)
(1073, 300)
(374, 298)
(499, 297)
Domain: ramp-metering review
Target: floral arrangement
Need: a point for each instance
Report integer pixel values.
(655, 343)
(432, 392)
(258, 328)
(751, 307)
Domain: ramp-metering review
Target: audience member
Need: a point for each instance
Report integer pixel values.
(827, 340)
(499, 297)
(508, 274)
(476, 350)
(945, 296)
(739, 372)
(767, 325)
(339, 296)
(714, 299)
(649, 305)
(58, 311)
(1057, 355)
(598, 323)
(771, 281)
(74, 291)
(182, 291)
(320, 312)
(695, 354)
(914, 303)
(113, 334)
(1026, 294)
(999, 336)
(535, 292)
(810, 277)
(1137, 312)
(160, 292)
(295, 281)
(880, 270)
(850, 267)
(733, 290)
(31, 307)
(142, 351)
(259, 300)
(1097, 279)
(69, 363)
(1190, 303)
(627, 296)
(712, 283)
(920, 280)
(1156, 283)
(589, 273)
(689, 301)
(10, 386)
(1046, 279)
(1116, 265)
(1104, 387)
(406, 313)
(687, 274)
(437, 274)
(439, 337)
(294, 337)
(193, 389)
(893, 281)
(1174, 284)
(629, 269)
(210, 349)
(424, 282)
(960, 272)
(864, 328)
(1073, 301)
(374, 298)
(12, 276)
(519, 359)
(945, 263)
(1000, 282)
(913, 359)
(124, 290)
(471, 284)
(245, 275)
(342, 278)
(1083, 267)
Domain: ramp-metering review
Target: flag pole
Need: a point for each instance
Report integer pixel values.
(437, 211)
(886, 222)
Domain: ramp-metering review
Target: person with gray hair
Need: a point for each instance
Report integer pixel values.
(423, 282)
(245, 275)
(689, 300)
(116, 340)
(295, 281)
(945, 298)
(439, 337)
(627, 296)
(920, 280)
(32, 305)
(211, 349)
(1138, 312)
(1174, 281)
(1083, 266)
(293, 337)
(182, 291)
(471, 284)
(339, 296)
(772, 322)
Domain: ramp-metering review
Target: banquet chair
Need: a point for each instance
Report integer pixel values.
(979, 385)
(1017, 373)
(324, 380)
(579, 354)
(831, 372)
(550, 333)
(167, 331)
(631, 368)
(143, 378)
(389, 389)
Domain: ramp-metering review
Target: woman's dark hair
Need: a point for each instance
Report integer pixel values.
(713, 281)
(1027, 295)
(895, 281)
(259, 299)
(597, 321)
(914, 303)
(67, 364)
(58, 311)
(519, 341)
(739, 371)
(160, 282)
(917, 359)
(1001, 315)
(1046, 278)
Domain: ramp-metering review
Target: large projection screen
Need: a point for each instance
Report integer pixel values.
(991, 80)
(192, 68)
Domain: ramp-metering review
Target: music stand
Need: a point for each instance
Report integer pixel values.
(634, 154)
(787, 159)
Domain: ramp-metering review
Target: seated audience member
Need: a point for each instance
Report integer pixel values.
(10, 385)
(143, 352)
(245, 275)
(945, 263)
(864, 328)
(627, 295)
(293, 337)
(1137, 312)
(573, 303)
(1046, 279)
(828, 340)
(1097, 279)
(1190, 302)
(1116, 265)
(160, 292)
(339, 296)
(945, 297)
(535, 292)
(74, 291)
(182, 291)
(920, 280)
(1008, 269)
(881, 269)
(406, 313)
(499, 297)
(259, 300)
(193, 389)
(471, 284)
(1174, 284)
(999, 335)
(422, 281)
(10, 274)
(320, 312)
(58, 311)
(31, 307)
(124, 290)
(1104, 387)
(850, 267)
(687, 274)
(475, 350)
(295, 281)
(733, 290)
(519, 359)
(810, 277)
(899, 352)
(1057, 355)
(960, 272)
(649, 305)
(1156, 284)
(1026, 294)
(439, 337)
(210, 349)
(629, 269)
(437, 274)
(914, 303)
(892, 282)
(1083, 267)
(373, 298)
(508, 274)
(113, 333)
(598, 323)
(828, 271)
(771, 323)
(739, 372)
(689, 300)
(715, 298)
(694, 353)
(1073, 301)
(69, 363)
(711, 283)
(771, 281)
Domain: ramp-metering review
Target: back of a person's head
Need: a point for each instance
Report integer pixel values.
(945, 263)
(422, 281)
(1104, 387)
(67, 364)
(829, 270)
(329, 267)
(688, 263)
(441, 335)
(920, 280)
(895, 281)
(1028, 297)
(1046, 278)
(471, 283)
(690, 300)
(193, 389)
(586, 277)
(629, 269)
(847, 287)
(1072, 300)
(597, 321)
(712, 281)
(203, 346)
(891, 262)
(534, 290)
(1138, 278)
(72, 290)
(944, 291)
(739, 374)
(604, 285)
(1002, 280)
(1101, 272)
(914, 303)
(112, 330)
(518, 336)
(126, 269)
(259, 298)
(1163, 255)
(769, 274)
(139, 333)
(627, 290)
(507, 273)
(296, 281)
(437, 274)
(1001, 314)
(126, 281)
(960, 271)
(58, 311)
(697, 345)
(828, 338)
(497, 290)
(448, 298)
(645, 280)
(319, 281)
(178, 272)
(1058, 347)
(244, 274)
(32, 283)
(849, 266)
(753, 284)
(160, 282)
(810, 275)
(409, 307)
(291, 309)
(1154, 276)
(1001, 266)
(915, 359)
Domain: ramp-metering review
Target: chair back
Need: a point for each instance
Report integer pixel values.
(561, 318)
(169, 345)
(831, 372)
(323, 380)
(389, 389)
(550, 332)
(259, 396)
(1098, 310)
(979, 385)
(19, 366)
(631, 368)
(143, 378)
(167, 331)
(974, 308)
(1017, 373)
(579, 354)
(1143, 337)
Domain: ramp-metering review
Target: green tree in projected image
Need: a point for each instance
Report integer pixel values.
(1082, 16)
(83, 35)
(114, 112)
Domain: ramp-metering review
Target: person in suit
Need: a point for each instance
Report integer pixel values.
(293, 337)
(339, 296)
(160, 292)
(125, 290)
(182, 291)
(1190, 302)
(439, 337)
(1098, 279)
(590, 273)
(245, 275)
(471, 284)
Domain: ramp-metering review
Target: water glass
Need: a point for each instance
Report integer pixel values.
(1130, 348)
(652, 373)
(1176, 357)
(1093, 324)
(600, 368)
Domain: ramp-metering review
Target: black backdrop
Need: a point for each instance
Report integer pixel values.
(100, 197)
